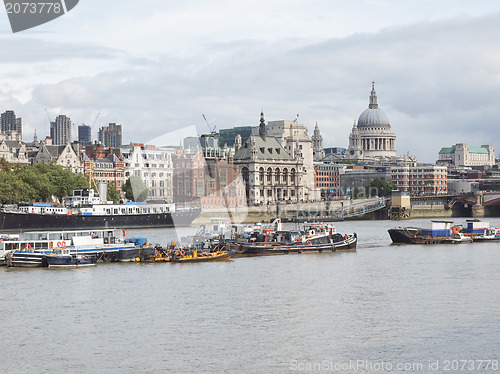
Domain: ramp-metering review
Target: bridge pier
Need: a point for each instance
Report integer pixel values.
(478, 207)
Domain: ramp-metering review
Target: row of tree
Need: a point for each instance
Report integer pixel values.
(23, 183)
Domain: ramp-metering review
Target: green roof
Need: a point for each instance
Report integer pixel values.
(268, 148)
(445, 151)
(478, 150)
(449, 150)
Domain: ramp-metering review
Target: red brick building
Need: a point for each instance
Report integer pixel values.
(105, 165)
(326, 179)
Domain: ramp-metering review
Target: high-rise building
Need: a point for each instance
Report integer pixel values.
(85, 135)
(60, 130)
(10, 124)
(111, 136)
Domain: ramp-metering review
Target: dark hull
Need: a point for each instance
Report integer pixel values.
(11, 221)
(142, 254)
(122, 254)
(402, 235)
(263, 249)
(66, 261)
(413, 236)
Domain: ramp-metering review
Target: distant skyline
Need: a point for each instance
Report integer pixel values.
(155, 67)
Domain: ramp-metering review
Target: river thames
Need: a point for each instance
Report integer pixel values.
(384, 308)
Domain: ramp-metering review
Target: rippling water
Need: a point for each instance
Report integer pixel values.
(382, 306)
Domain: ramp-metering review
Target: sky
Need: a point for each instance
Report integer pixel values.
(156, 66)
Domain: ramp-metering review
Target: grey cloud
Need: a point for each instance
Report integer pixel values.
(32, 50)
(437, 82)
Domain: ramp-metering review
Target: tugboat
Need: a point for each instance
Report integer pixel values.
(313, 238)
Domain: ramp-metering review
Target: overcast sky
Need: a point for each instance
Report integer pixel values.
(156, 66)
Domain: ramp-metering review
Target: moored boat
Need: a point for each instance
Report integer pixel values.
(32, 248)
(489, 235)
(86, 210)
(194, 256)
(312, 238)
(68, 261)
(441, 232)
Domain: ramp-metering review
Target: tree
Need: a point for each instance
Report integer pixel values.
(135, 189)
(24, 183)
(379, 187)
(113, 194)
(355, 192)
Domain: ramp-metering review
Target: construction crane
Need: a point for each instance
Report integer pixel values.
(95, 120)
(48, 116)
(212, 129)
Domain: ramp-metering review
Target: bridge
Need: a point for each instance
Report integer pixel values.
(474, 204)
(345, 211)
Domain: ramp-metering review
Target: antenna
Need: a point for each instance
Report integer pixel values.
(212, 130)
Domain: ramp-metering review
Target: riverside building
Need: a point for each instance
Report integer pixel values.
(461, 155)
(272, 170)
(421, 179)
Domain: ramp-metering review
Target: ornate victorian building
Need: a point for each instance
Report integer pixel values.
(372, 138)
(269, 172)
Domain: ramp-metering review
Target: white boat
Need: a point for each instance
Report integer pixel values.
(490, 234)
(84, 209)
(31, 248)
(457, 238)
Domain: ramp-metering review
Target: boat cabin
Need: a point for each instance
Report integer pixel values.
(50, 241)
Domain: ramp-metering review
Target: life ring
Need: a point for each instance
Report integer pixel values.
(308, 242)
(63, 244)
(59, 244)
(182, 252)
(28, 246)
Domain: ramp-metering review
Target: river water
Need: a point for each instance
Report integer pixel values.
(383, 308)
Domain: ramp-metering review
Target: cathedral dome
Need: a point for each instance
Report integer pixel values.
(373, 116)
